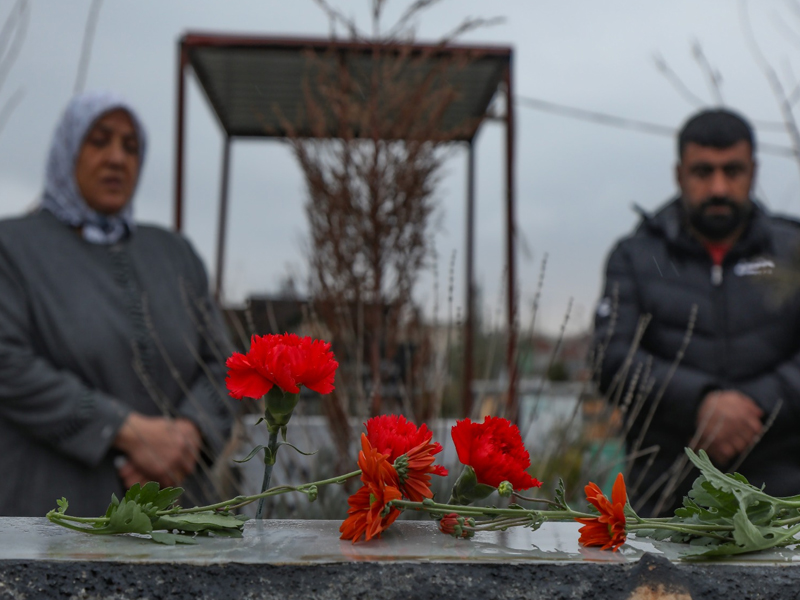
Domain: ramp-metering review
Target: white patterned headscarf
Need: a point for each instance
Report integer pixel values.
(61, 194)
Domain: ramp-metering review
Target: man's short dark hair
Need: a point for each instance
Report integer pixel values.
(717, 128)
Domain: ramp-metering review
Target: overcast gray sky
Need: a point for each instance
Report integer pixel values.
(576, 180)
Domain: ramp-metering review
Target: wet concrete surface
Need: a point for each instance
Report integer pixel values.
(305, 559)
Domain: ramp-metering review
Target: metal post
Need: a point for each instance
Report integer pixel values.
(183, 59)
(223, 218)
(512, 407)
(469, 321)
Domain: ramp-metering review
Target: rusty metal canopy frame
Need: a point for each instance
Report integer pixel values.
(253, 83)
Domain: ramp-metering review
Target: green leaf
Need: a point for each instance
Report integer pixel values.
(749, 537)
(170, 539)
(284, 443)
(113, 506)
(703, 541)
(735, 484)
(228, 533)
(656, 534)
(127, 517)
(197, 522)
(151, 498)
(63, 505)
(253, 452)
(560, 496)
(746, 534)
(467, 489)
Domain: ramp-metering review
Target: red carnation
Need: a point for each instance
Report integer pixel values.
(394, 435)
(286, 361)
(495, 452)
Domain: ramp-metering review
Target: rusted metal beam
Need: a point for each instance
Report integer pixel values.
(222, 221)
(324, 44)
(469, 321)
(512, 407)
(183, 60)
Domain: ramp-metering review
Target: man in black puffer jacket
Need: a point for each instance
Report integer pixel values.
(719, 358)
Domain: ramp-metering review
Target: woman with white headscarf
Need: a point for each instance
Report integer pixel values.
(110, 349)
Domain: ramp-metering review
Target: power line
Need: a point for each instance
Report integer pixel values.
(625, 123)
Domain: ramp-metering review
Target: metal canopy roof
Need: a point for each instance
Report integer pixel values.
(255, 84)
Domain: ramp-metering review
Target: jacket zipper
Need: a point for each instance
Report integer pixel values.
(719, 303)
(716, 275)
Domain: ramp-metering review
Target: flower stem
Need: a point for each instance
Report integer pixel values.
(269, 462)
(701, 530)
(464, 510)
(501, 524)
(542, 500)
(790, 521)
(66, 520)
(240, 501)
(508, 517)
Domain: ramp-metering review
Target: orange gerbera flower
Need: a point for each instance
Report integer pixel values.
(607, 530)
(367, 513)
(414, 469)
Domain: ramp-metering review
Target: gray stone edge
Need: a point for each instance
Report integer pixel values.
(45, 579)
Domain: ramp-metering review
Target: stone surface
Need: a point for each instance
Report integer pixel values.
(311, 542)
(305, 559)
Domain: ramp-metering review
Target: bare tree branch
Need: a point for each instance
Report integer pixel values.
(9, 106)
(774, 81)
(335, 16)
(794, 38)
(712, 75)
(676, 82)
(470, 25)
(377, 9)
(86, 47)
(783, 27)
(9, 24)
(12, 37)
(402, 28)
(794, 5)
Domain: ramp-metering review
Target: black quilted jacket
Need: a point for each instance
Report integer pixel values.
(746, 336)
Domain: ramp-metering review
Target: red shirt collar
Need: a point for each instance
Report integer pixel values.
(717, 251)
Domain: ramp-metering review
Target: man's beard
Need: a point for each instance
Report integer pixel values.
(718, 226)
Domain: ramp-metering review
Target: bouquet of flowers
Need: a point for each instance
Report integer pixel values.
(722, 515)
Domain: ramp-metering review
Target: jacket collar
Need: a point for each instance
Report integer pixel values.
(669, 223)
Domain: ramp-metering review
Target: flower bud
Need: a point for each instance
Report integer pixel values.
(453, 524)
(505, 489)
